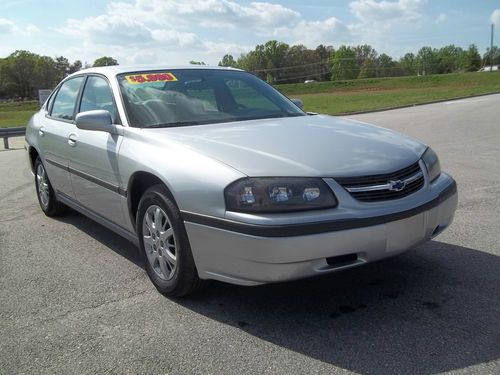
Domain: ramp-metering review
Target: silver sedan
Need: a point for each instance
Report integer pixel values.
(216, 175)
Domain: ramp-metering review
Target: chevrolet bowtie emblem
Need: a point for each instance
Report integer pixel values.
(397, 185)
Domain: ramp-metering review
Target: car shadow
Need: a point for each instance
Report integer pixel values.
(436, 308)
(433, 309)
(105, 236)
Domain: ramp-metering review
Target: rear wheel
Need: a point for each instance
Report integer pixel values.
(165, 245)
(45, 193)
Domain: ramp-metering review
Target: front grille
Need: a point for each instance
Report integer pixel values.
(378, 187)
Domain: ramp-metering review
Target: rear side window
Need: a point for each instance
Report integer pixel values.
(97, 95)
(64, 103)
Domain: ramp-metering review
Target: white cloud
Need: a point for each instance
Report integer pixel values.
(144, 57)
(441, 18)
(159, 25)
(219, 49)
(176, 31)
(6, 26)
(163, 20)
(107, 29)
(312, 33)
(206, 13)
(495, 17)
(9, 27)
(384, 14)
(175, 37)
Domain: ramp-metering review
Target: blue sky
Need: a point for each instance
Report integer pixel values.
(175, 32)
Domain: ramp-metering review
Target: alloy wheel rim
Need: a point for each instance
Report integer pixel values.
(159, 242)
(42, 185)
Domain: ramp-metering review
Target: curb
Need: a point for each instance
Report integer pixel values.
(415, 105)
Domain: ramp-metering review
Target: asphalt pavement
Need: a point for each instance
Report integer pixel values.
(74, 298)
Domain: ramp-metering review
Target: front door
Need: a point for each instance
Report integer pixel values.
(93, 158)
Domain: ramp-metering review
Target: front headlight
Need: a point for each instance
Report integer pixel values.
(278, 194)
(431, 162)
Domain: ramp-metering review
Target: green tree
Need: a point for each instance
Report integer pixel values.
(368, 69)
(61, 66)
(105, 61)
(364, 52)
(322, 54)
(229, 61)
(409, 64)
(75, 67)
(427, 61)
(302, 64)
(3, 92)
(275, 57)
(449, 59)
(47, 76)
(496, 56)
(20, 74)
(386, 67)
(472, 59)
(344, 64)
(253, 61)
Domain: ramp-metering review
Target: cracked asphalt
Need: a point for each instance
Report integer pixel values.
(74, 298)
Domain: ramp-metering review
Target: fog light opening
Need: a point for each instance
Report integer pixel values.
(342, 260)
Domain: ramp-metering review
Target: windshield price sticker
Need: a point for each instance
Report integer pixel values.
(150, 77)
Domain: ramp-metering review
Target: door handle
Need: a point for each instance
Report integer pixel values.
(41, 132)
(72, 138)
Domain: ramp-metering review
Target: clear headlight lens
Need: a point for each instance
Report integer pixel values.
(278, 194)
(431, 162)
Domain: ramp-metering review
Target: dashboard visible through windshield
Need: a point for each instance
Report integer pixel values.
(183, 97)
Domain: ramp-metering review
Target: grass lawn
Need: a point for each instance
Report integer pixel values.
(368, 94)
(16, 114)
(340, 97)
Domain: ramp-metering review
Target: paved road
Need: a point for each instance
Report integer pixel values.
(74, 298)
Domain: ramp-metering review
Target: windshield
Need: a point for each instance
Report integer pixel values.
(183, 97)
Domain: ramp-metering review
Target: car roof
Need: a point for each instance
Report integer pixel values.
(114, 70)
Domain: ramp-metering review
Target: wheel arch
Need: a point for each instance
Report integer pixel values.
(33, 154)
(138, 183)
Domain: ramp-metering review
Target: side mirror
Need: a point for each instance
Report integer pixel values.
(99, 120)
(299, 103)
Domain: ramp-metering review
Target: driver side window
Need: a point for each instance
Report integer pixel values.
(98, 95)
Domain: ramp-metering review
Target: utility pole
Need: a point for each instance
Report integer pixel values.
(491, 47)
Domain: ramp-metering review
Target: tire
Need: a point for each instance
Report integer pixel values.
(164, 244)
(45, 193)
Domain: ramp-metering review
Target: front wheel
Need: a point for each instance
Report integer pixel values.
(45, 193)
(164, 244)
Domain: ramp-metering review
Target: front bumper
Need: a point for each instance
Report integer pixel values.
(249, 254)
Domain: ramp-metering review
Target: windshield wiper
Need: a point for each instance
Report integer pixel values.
(217, 121)
(271, 116)
(173, 124)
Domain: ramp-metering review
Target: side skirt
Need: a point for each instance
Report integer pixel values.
(132, 237)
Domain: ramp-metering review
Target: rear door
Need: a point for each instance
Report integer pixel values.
(54, 134)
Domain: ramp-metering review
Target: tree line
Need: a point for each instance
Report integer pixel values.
(278, 62)
(22, 73)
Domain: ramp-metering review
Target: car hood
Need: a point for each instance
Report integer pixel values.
(321, 146)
